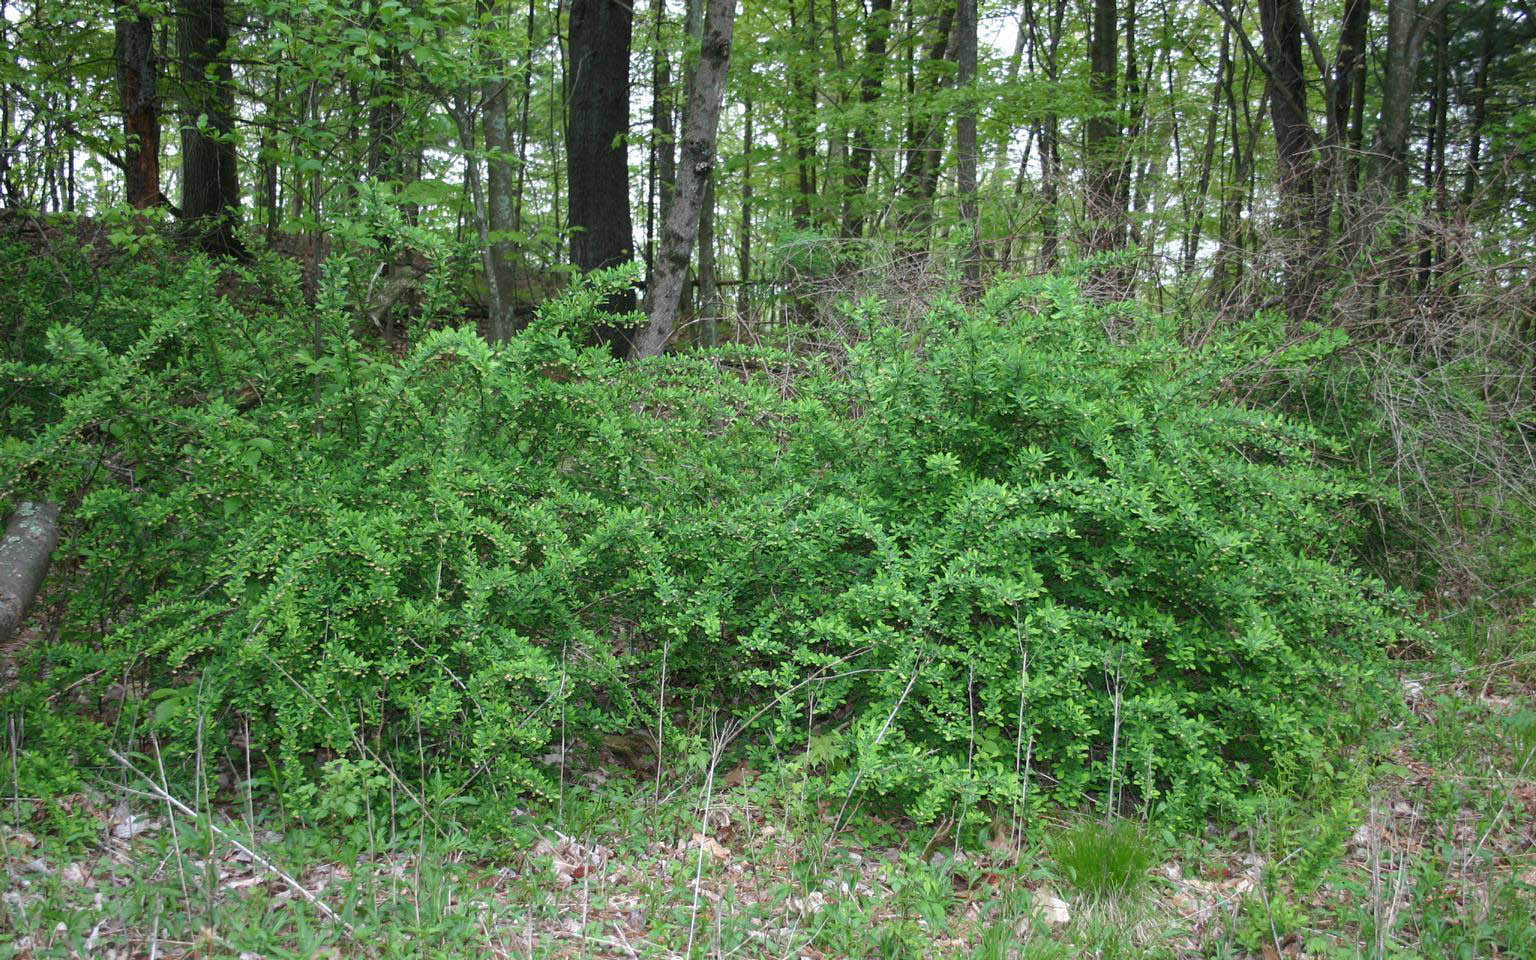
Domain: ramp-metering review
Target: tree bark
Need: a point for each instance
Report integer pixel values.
(1348, 61)
(596, 130)
(1405, 36)
(698, 159)
(1479, 112)
(1280, 21)
(209, 183)
(137, 72)
(965, 142)
(861, 156)
(30, 539)
(744, 270)
(1102, 200)
(925, 141)
(500, 187)
(1196, 218)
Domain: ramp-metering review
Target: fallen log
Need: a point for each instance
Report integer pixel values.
(30, 539)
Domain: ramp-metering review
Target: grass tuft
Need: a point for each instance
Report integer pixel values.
(1104, 861)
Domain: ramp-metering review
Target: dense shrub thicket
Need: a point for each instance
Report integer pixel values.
(995, 549)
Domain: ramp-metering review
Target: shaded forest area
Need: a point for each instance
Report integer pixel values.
(1077, 457)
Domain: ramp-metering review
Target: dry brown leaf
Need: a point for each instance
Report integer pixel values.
(711, 846)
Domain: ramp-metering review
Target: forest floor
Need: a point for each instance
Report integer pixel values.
(1424, 846)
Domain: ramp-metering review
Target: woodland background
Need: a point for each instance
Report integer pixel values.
(896, 479)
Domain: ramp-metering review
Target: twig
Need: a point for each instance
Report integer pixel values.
(296, 886)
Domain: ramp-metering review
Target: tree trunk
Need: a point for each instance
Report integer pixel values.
(1281, 23)
(1196, 218)
(30, 539)
(862, 155)
(136, 81)
(597, 128)
(744, 271)
(500, 186)
(1102, 199)
(1479, 111)
(802, 126)
(664, 122)
(1348, 61)
(925, 142)
(965, 142)
(1050, 135)
(1405, 35)
(698, 159)
(210, 187)
(708, 310)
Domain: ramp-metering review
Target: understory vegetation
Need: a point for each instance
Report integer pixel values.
(995, 551)
(986, 634)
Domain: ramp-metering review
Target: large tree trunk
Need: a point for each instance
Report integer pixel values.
(862, 154)
(1405, 37)
(209, 184)
(698, 159)
(597, 129)
(1347, 63)
(1281, 23)
(29, 542)
(1102, 199)
(136, 82)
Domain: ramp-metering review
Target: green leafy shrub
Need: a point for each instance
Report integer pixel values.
(1000, 551)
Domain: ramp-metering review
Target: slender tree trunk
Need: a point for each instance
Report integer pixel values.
(597, 129)
(925, 141)
(1348, 61)
(137, 73)
(1196, 218)
(663, 118)
(1230, 247)
(209, 184)
(524, 129)
(861, 156)
(965, 141)
(802, 129)
(697, 164)
(1434, 162)
(500, 185)
(1050, 135)
(1283, 26)
(744, 275)
(7, 186)
(463, 117)
(1281, 23)
(998, 164)
(709, 286)
(1479, 112)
